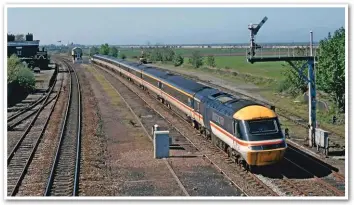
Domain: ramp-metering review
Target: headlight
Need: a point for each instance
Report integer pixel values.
(268, 147)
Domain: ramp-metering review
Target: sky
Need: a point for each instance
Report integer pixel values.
(123, 26)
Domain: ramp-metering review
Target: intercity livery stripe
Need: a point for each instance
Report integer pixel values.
(155, 88)
(154, 78)
(169, 85)
(174, 99)
(242, 142)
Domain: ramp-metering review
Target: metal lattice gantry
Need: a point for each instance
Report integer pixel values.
(310, 78)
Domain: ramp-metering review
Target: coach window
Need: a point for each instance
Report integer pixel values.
(237, 131)
(197, 107)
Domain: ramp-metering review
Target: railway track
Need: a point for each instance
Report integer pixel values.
(64, 175)
(30, 102)
(307, 185)
(314, 186)
(21, 155)
(298, 120)
(333, 184)
(301, 175)
(234, 173)
(20, 117)
(18, 110)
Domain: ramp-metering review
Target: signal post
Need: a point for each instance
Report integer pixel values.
(310, 78)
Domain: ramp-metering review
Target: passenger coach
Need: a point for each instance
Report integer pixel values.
(249, 132)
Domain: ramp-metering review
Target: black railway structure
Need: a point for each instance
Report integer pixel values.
(28, 51)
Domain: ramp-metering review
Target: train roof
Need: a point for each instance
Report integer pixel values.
(132, 64)
(221, 101)
(224, 103)
(202, 95)
(155, 72)
(180, 82)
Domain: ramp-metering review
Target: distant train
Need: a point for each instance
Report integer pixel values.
(248, 132)
(76, 53)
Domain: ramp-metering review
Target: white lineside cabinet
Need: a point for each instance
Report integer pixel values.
(161, 144)
(322, 140)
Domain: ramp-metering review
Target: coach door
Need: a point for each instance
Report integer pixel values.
(160, 85)
(197, 112)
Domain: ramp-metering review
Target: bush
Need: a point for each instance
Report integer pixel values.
(211, 61)
(26, 79)
(178, 60)
(156, 55)
(20, 80)
(283, 86)
(168, 54)
(196, 60)
(19, 73)
(287, 87)
(13, 66)
(122, 56)
(104, 49)
(113, 51)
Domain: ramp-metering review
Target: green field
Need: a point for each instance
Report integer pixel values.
(130, 52)
(239, 63)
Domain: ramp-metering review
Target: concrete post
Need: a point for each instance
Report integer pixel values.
(312, 103)
(312, 96)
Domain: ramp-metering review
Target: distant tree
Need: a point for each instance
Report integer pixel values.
(168, 54)
(178, 60)
(144, 54)
(190, 61)
(123, 56)
(104, 49)
(93, 51)
(196, 59)
(330, 68)
(211, 61)
(19, 37)
(156, 55)
(113, 51)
